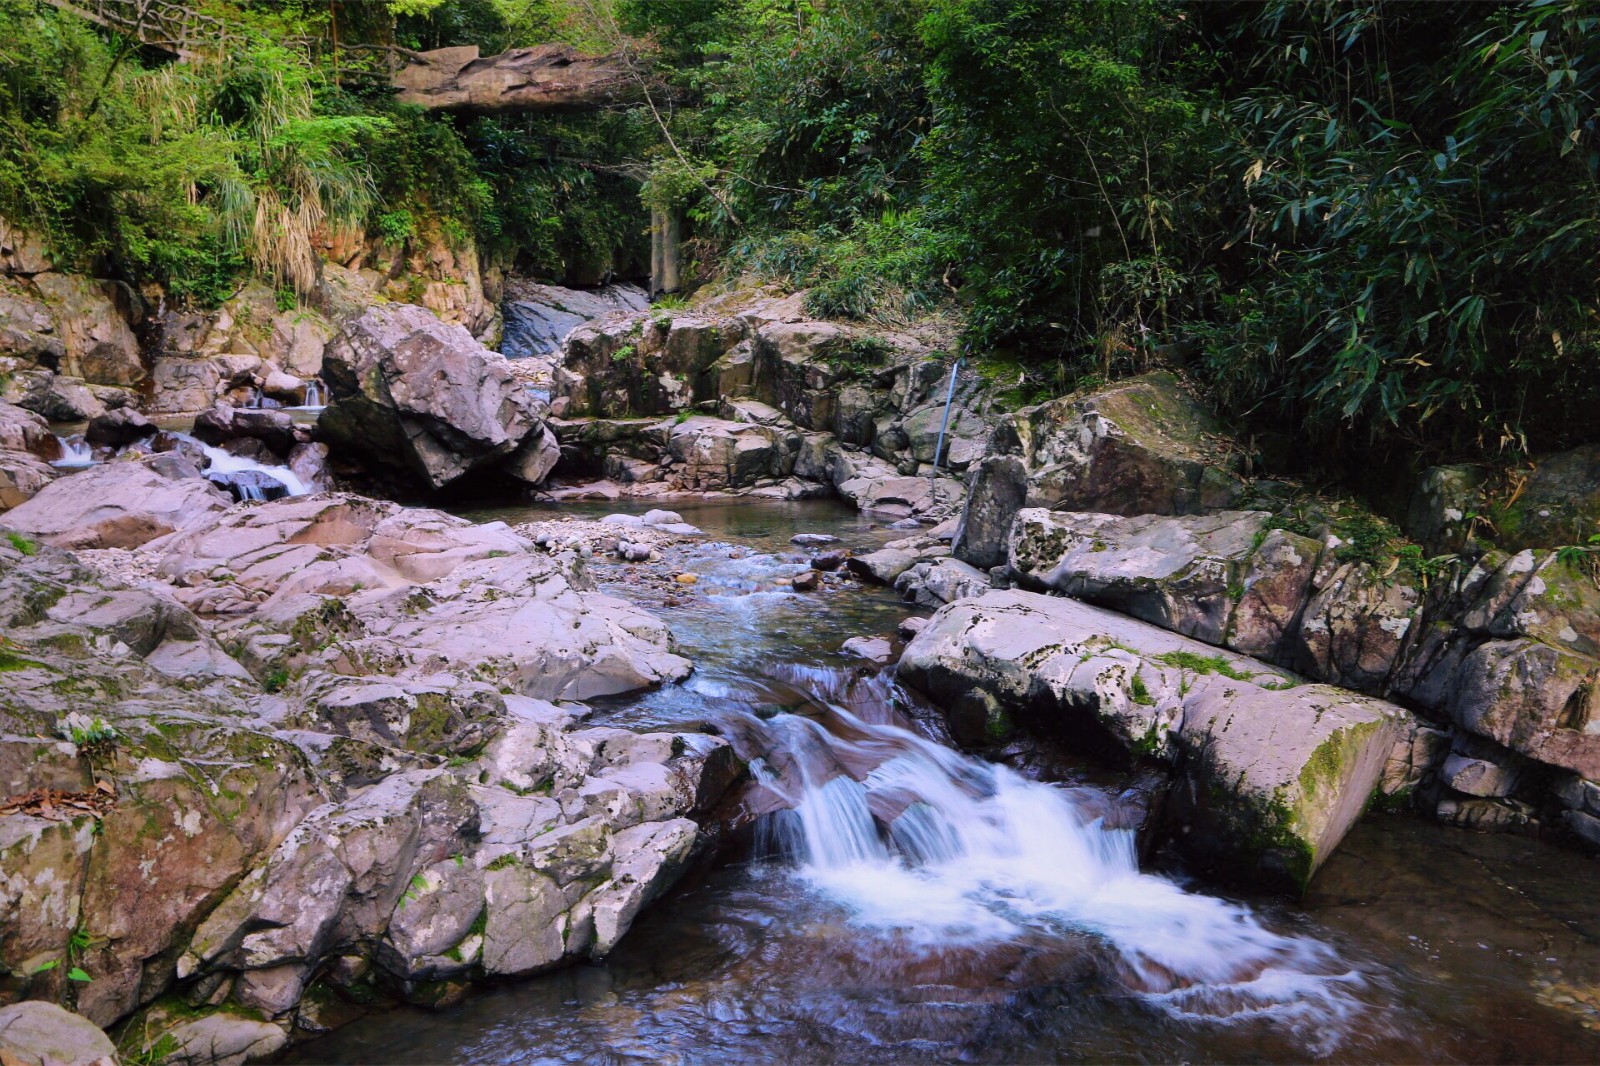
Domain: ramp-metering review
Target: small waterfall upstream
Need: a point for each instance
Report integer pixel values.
(935, 850)
(313, 400)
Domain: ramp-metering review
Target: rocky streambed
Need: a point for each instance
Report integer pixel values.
(790, 718)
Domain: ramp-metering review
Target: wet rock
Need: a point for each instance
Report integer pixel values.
(42, 1034)
(828, 562)
(249, 485)
(1274, 772)
(1143, 446)
(813, 540)
(910, 627)
(419, 398)
(539, 317)
(808, 581)
(116, 429)
(310, 464)
(222, 423)
(881, 566)
(872, 649)
(115, 505)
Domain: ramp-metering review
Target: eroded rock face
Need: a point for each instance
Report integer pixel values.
(100, 346)
(538, 317)
(1226, 578)
(419, 398)
(1272, 772)
(1141, 447)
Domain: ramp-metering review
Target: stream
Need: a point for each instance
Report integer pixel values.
(1002, 919)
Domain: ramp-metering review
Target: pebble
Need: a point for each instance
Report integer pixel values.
(806, 582)
(686, 579)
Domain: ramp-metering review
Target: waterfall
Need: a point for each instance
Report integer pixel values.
(935, 850)
(225, 463)
(313, 400)
(75, 452)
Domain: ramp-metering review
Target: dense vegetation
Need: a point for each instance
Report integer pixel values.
(1372, 226)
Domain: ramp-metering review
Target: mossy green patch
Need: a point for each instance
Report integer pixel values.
(1203, 664)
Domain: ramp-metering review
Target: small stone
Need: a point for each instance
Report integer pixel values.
(813, 540)
(873, 649)
(686, 579)
(828, 561)
(910, 627)
(806, 581)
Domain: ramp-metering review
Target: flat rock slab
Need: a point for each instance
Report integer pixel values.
(1271, 772)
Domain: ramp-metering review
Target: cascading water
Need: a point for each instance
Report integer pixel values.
(222, 464)
(313, 400)
(75, 452)
(909, 904)
(936, 850)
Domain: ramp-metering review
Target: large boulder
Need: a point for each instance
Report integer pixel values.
(419, 398)
(1227, 578)
(716, 454)
(1271, 772)
(182, 385)
(55, 396)
(116, 505)
(116, 429)
(1144, 446)
(621, 367)
(43, 1034)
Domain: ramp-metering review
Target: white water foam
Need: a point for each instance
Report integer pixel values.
(75, 453)
(974, 854)
(226, 463)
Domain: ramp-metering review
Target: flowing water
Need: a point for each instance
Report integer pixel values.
(897, 901)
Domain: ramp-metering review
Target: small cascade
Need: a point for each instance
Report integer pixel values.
(75, 453)
(246, 478)
(313, 400)
(936, 850)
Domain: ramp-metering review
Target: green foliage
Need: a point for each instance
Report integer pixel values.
(1139, 692)
(1203, 664)
(22, 544)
